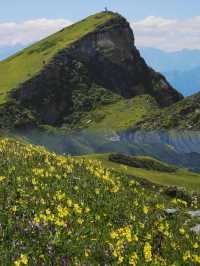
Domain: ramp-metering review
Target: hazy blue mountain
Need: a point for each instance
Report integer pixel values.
(182, 68)
(182, 60)
(187, 82)
(6, 51)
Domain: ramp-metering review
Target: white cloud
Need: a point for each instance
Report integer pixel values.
(167, 34)
(158, 32)
(24, 33)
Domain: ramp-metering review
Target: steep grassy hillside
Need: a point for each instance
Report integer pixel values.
(181, 177)
(27, 63)
(62, 211)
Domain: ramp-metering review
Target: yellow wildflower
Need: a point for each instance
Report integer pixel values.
(182, 231)
(62, 211)
(133, 259)
(22, 260)
(80, 221)
(195, 245)
(114, 235)
(186, 256)
(69, 203)
(87, 252)
(76, 188)
(196, 259)
(147, 252)
(120, 259)
(145, 209)
(2, 178)
(114, 189)
(97, 191)
(87, 210)
(77, 208)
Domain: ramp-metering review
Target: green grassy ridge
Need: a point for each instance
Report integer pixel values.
(27, 63)
(181, 178)
(144, 162)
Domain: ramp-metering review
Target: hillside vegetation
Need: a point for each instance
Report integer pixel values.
(59, 210)
(120, 115)
(142, 162)
(184, 114)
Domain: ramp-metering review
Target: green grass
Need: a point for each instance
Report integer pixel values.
(144, 162)
(120, 115)
(58, 210)
(30, 61)
(181, 178)
(183, 115)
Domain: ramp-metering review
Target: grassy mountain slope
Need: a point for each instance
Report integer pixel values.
(180, 178)
(182, 115)
(28, 62)
(60, 210)
(119, 115)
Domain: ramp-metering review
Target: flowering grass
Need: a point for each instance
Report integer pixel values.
(182, 178)
(63, 211)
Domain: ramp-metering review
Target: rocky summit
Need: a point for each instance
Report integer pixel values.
(85, 65)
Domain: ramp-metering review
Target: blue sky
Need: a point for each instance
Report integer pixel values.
(19, 10)
(168, 25)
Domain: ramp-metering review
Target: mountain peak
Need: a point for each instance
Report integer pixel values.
(68, 71)
(31, 60)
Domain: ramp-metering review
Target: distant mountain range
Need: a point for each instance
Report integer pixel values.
(183, 60)
(7, 51)
(181, 68)
(187, 82)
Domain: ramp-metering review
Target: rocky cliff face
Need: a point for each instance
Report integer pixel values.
(105, 59)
